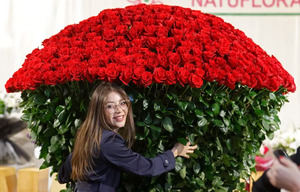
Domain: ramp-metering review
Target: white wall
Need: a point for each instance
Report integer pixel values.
(25, 24)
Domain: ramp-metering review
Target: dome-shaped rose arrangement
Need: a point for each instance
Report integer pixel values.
(187, 73)
(151, 44)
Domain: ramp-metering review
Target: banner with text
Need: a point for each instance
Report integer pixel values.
(234, 6)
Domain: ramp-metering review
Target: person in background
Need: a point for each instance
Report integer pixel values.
(284, 173)
(103, 142)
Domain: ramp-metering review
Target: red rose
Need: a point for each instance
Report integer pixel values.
(174, 58)
(220, 62)
(152, 62)
(141, 63)
(93, 72)
(187, 57)
(199, 72)
(253, 81)
(195, 81)
(108, 34)
(137, 73)
(163, 61)
(126, 75)
(238, 75)
(170, 78)
(183, 76)
(121, 41)
(135, 31)
(101, 73)
(189, 66)
(162, 32)
(150, 30)
(274, 83)
(151, 42)
(230, 81)
(111, 72)
(50, 77)
(138, 43)
(91, 35)
(167, 43)
(159, 75)
(146, 79)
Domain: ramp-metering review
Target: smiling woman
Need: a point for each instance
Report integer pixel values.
(103, 142)
(116, 110)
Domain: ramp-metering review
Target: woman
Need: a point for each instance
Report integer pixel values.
(103, 142)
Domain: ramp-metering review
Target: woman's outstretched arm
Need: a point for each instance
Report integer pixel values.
(114, 150)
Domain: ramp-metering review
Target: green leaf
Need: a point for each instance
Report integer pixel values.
(252, 94)
(183, 105)
(145, 104)
(63, 129)
(182, 172)
(199, 113)
(201, 100)
(59, 109)
(170, 97)
(77, 122)
(222, 113)
(182, 140)
(272, 96)
(178, 163)
(218, 123)
(158, 116)
(266, 124)
(156, 107)
(216, 108)
(259, 112)
(155, 128)
(226, 122)
(242, 122)
(167, 124)
(2, 107)
(39, 99)
(140, 124)
(196, 168)
(82, 106)
(161, 146)
(55, 143)
(148, 119)
(217, 182)
(219, 146)
(62, 116)
(202, 122)
(56, 123)
(192, 138)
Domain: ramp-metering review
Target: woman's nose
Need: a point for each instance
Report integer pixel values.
(118, 108)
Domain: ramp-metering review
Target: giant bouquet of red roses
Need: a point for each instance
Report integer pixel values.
(187, 72)
(151, 44)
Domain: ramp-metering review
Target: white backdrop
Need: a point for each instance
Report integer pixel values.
(25, 24)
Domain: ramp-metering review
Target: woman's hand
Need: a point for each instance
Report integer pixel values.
(183, 150)
(285, 174)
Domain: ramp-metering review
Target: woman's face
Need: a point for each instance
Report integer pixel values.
(116, 110)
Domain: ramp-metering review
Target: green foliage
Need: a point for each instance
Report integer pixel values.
(2, 107)
(227, 125)
(5, 109)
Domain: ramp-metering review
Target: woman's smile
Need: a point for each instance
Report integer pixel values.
(119, 118)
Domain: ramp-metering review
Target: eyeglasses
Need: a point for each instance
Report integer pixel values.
(112, 107)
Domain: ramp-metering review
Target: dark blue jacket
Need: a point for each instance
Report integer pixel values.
(113, 158)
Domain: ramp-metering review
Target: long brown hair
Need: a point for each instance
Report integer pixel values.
(88, 137)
